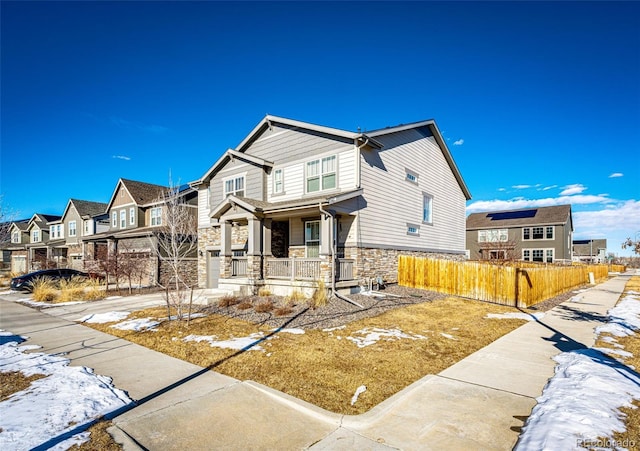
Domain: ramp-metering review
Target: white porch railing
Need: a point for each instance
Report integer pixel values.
(238, 266)
(304, 268)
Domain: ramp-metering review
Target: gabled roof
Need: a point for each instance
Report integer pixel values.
(141, 192)
(588, 247)
(558, 214)
(260, 206)
(42, 220)
(21, 225)
(86, 208)
(229, 155)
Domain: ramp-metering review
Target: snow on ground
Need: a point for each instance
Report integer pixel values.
(373, 335)
(101, 318)
(67, 398)
(138, 324)
(294, 331)
(237, 343)
(449, 336)
(581, 401)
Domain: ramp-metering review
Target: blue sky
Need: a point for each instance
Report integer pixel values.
(539, 102)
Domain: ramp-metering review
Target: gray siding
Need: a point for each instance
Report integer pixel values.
(282, 144)
(392, 202)
(72, 215)
(254, 182)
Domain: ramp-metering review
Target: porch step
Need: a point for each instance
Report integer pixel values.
(213, 295)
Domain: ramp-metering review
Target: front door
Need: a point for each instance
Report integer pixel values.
(213, 269)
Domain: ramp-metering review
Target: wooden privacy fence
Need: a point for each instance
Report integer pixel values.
(518, 284)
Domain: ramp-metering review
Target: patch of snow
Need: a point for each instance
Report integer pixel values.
(238, 343)
(101, 318)
(450, 337)
(518, 315)
(331, 329)
(68, 397)
(295, 331)
(361, 389)
(580, 402)
(624, 318)
(611, 351)
(137, 324)
(372, 336)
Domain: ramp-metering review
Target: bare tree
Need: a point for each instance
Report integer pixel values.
(633, 244)
(176, 243)
(6, 217)
(498, 250)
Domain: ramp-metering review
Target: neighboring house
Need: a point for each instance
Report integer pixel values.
(80, 219)
(295, 203)
(542, 234)
(16, 246)
(40, 253)
(590, 251)
(135, 213)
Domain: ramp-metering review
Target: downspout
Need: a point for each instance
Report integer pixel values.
(333, 259)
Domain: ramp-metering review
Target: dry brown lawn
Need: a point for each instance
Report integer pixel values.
(14, 381)
(324, 367)
(632, 345)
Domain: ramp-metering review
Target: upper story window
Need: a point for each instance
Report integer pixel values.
(427, 208)
(35, 236)
(55, 231)
(411, 176)
(123, 219)
(156, 216)
(114, 219)
(87, 227)
(493, 236)
(15, 237)
(132, 216)
(234, 186)
(537, 233)
(72, 228)
(321, 174)
(278, 181)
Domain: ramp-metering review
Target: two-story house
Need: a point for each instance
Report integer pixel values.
(590, 251)
(39, 253)
(295, 203)
(541, 234)
(18, 239)
(136, 213)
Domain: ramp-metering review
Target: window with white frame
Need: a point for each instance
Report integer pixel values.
(156, 216)
(123, 219)
(526, 255)
(15, 237)
(234, 186)
(549, 232)
(549, 255)
(537, 233)
(132, 215)
(538, 255)
(427, 208)
(114, 219)
(72, 228)
(278, 181)
(493, 236)
(497, 254)
(321, 174)
(35, 236)
(87, 227)
(411, 176)
(312, 238)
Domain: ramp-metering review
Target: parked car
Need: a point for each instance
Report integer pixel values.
(25, 282)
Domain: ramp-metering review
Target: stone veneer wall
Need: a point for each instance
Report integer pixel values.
(210, 237)
(371, 263)
(189, 271)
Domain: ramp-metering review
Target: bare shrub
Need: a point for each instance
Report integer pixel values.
(244, 305)
(264, 307)
(228, 301)
(320, 296)
(295, 297)
(264, 292)
(283, 311)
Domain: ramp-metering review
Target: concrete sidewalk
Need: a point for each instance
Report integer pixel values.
(479, 403)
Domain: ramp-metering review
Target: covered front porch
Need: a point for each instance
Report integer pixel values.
(279, 246)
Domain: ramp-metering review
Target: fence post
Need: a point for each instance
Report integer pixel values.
(517, 285)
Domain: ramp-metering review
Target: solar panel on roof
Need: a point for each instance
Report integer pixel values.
(520, 214)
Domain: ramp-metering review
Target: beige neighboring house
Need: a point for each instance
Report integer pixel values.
(135, 213)
(590, 251)
(541, 234)
(294, 203)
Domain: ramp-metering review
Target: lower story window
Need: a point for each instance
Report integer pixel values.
(312, 238)
(538, 255)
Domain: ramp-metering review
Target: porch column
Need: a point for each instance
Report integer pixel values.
(266, 238)
(225, 249)
(325, 235)
(255, 238)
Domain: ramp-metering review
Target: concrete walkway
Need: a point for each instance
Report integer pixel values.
(479, 403)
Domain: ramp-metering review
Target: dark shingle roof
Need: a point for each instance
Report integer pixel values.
(144, 193)
(588, 247)
(89, 208)
(559, 214)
